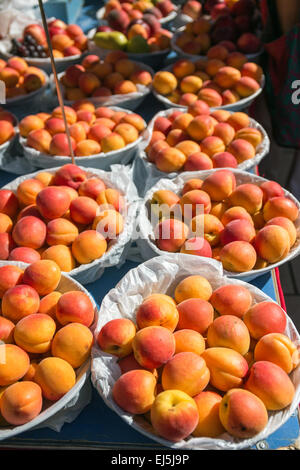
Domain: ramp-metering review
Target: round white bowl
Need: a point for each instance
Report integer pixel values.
(101, 160)
(119, 178)
(146, 241)
(129, 101)
(162, 274)
(82, 373)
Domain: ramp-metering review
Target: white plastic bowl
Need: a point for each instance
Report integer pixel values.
(82, 373)
(146, 174)
(146, 241)
(101, 160)
(119, 178)
(162, 274)
(153, 59)
(238, 106)
(129, 101)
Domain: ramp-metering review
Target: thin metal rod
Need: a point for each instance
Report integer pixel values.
(58, 89)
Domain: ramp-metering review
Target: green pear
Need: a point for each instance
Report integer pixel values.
(137, 45)
(110, 40)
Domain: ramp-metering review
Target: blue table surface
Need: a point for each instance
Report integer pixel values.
(97, 426)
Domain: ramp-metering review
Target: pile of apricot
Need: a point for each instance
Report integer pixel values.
(92, 130)
(245, 226)
(217, 82)
(202, 361)
(7, 123)
(70, 217)
(115, 75)
(46, 339)
(20, 78)
(200, 140)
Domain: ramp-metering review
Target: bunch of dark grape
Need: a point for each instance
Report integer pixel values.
(28, 47)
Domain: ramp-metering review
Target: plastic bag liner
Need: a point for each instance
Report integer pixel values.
(120, 178)
(101, 160)
(146, 174)
(65, 410)
(162, 274)
(146, 240)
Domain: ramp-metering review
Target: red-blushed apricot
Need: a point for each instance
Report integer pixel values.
(43, 276)
(9, 203)
(109, 223)
(59, 145)
(24, 254)
(195, 314)
(55, 376)
(83, 210)
(228, 331)
(231, 300)
(198, 161)
(280, 206)
(40, 140)
(91, 187)
(53, 202)
(30, 123)
(45, 177)
(75, 306)
(170, 159)
(6, 330)
(207, 226)
(69, 175)
(170, 234)
(183, 67)
(238, 120)
(134, 391)
(128, 363)
(247, 195)
(193, 287)
(34, 333)
(20, 301)
(9, 276)
(271, 384)
(188, 340)
(271, 189)
(246, 86)
(194, 202)
(111, 197)
(264, 318)
(238, 230)
(73, 343)
(238, 256)
(88, 246)
(194, 183)
(279, 349)
(21, 402)
(218, 208)
(209, 424)
(235, 213)
(241, 149)
(227, 367)
(30, 232)
(116, 337)
(48, 304)
(6, 245)
(198, 107)
(242, 413)
(197, 246)
(172, 404)
(157, 310)
(186, 371)
(272, 243)
(87, 147)
(287, 224)
(15, 365)
(200, 127)
(153, 346)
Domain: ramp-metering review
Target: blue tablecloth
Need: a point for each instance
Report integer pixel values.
(97, 426)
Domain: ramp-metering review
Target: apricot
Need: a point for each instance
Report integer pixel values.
(209, 226)
(242, 413)
(194, 202)
(280, 207)
(55, 376)
(191, 84)
(212, 145)
(25, 254)
(6, 245)
(135, 120)
(9, 203)
(264, 318)
(246, 86)
(134, 391)
(6, 223)
(21, 402)
(61, 255)
(153, 346)
(128, 132)
(28, 190)
(73, 343)
(238, 120)
(6, 330)
(14, 366)
(30, 123)
(227, 77)
(188, 340)
(69, 175)
(195, 314)
(187, 98)
(193, 287)
(19, 301)
(40, 140)
(227, 367)
(241, 149)
(287, 224)
(88, 246)
(272, 243)
(9, 276)
(43, 276)
(170, 234)
(182, 121)
(194, 183)
(164, 82)
(198, 161)
(186, 371)
(183, 67)
(197, 246)
(6, 131)
(198, 107)
(157, 310)
(235, 213)
(238, 230)
(212, 66)
(61, 232)
(59, 145)
(34, 333)
(200, 127)
(279, 349)
(219, 185)
(210, 96)
(218, 208)
(271, 189)
(238, 256)
(111, 198)
(228, 331)
(128, 363)
(249, 196)
(116, 337)
(55, 126)
(112, 142)
(91, 187)
(231, 300)
(271, 384)
(53, 202)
